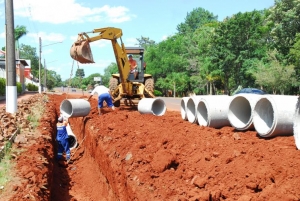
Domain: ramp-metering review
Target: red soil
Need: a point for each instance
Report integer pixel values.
(124, 155)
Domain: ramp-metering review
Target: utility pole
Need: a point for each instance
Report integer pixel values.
(40, 44)
(10, 57)
(174, 89)
(45, 75)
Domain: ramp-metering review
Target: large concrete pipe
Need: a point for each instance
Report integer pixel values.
(297, 124)
(273, 115)
(240, 112)
(212, 111)
(72, 138)
(153, 106)
(183, 106)
(191, 107)
(75, 108)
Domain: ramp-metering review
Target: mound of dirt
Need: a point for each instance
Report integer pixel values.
(124, 155)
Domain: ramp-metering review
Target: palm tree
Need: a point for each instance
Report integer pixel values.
(19, 32)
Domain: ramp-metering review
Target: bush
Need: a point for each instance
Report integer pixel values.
(157, 93)
(2, 86)
(19, 88)
(32, 87)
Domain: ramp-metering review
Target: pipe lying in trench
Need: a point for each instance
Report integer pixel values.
(155, 106)
(72, 138)
(273, 115)
(296, 127)
(212, 111)
(75, 108)
(240, 113)
(183, 106)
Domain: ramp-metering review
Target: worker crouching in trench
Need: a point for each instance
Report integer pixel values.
(62, 139)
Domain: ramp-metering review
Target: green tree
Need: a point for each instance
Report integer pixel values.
(198, 48)
(295, 59)
(166, 57)
(29, 53)
(274, 75)
(108, 71)
(195, 19)
(238, 40)
(283, 19)
(177, 81)
(89, 82)
(53, 79)
(20, 31)
(145, 42)
(80, 73)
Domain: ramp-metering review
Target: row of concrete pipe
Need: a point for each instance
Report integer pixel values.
(269, 115)
(80, 108)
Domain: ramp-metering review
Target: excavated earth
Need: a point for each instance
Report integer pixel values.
(124, 155)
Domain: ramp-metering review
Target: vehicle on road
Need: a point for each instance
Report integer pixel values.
(250, 91)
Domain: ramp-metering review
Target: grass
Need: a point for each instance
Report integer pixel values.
(6, 166)
(37, 111)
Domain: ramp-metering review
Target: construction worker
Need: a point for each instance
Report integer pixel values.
(133, 65)
(103, 95)
(62, 139)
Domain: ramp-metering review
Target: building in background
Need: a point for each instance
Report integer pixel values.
(20, 71)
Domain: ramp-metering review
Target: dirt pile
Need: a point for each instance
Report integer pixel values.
(124, 155)
(10, 123)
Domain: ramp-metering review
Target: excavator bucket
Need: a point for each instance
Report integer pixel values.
(81, 52)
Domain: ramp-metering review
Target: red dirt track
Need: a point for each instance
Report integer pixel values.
(124, 155)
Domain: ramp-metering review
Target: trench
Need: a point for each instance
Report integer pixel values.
(90, 175)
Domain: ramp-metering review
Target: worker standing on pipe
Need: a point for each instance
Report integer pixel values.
(62, 139)
(103, 95)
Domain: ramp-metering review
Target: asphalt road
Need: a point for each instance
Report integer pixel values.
(172, 103)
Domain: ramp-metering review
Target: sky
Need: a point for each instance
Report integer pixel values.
(58, 22)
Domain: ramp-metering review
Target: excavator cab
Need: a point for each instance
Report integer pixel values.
(138, 55)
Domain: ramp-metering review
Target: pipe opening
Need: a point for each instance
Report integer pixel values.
(202, 114)
(183, 108)
(67, 108)
(240, 112)
(72, 142)
(191, 110)
(263, 116)
(158, 107)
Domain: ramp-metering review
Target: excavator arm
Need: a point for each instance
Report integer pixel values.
(81, 51)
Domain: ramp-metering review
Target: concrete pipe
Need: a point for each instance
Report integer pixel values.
(72, 138)
(191, 107)
(183, 107)
(75, 108)
(296, 126)
(273, 115)
(153, 106)
(212, 111)
(240, 112)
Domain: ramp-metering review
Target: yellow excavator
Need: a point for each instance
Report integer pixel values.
(124, 85)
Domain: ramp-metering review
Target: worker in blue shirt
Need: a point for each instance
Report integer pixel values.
(62, 138)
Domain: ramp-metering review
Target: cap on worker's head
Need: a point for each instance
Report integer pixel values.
(130, 55)
(60, 119)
